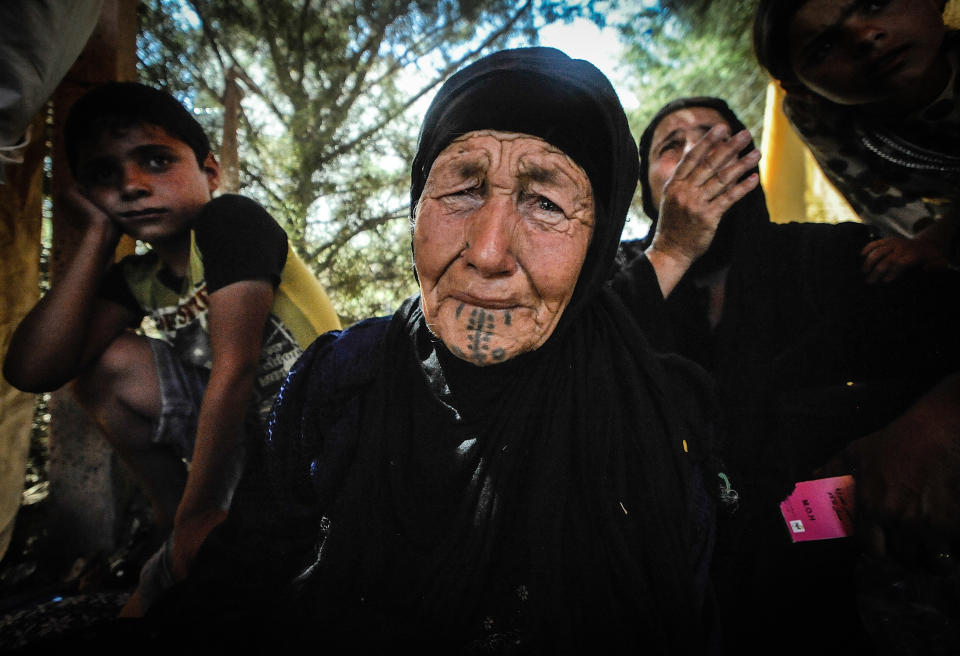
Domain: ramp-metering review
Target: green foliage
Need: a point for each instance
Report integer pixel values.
(333, 97)
(694, 47)
(676, 48)
(334, 93)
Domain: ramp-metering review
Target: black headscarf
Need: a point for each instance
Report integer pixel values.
(566, 102)
(552, 499)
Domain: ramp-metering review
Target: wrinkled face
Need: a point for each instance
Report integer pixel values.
(674, 135)
(146, 180)
(501, 231)
(856, 52)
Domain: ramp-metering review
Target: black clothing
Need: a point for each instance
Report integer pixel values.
(558, 502)
(807, 357)
(321, 510)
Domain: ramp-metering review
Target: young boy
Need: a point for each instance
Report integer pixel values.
(232, 304)
(872, 89)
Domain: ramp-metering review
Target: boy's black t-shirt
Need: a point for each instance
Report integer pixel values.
(232, 239)
(237, 240)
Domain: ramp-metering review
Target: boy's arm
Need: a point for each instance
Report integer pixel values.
(70, 326)
(238, 314)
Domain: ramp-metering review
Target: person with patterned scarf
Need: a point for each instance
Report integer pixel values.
(872, 90)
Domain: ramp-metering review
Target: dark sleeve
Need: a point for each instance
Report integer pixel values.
(908, 327)
(239, 240)
(913, 322)
(114, 288)
(635, 282)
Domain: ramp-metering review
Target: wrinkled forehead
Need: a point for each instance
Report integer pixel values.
(509, 160)
(486, 146)
(486, 139)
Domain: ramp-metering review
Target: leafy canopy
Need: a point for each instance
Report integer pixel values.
(333, 93)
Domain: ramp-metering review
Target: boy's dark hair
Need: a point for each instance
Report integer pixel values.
(123, 104)
(771, 37)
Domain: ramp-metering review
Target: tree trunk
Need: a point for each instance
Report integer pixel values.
(229, 149)
(20, 220)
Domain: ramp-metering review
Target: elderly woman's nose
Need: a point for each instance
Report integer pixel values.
(489, 237)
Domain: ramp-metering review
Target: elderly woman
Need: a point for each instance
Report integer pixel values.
(502, 466)
(810, 360)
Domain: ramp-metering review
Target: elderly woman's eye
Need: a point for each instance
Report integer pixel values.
(541, 208)
(461, 198)
(460, 186)
(466, 194)
(547, 205)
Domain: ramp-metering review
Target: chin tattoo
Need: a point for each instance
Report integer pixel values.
(480, 325)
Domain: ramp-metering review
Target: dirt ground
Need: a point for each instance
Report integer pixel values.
(47, 589)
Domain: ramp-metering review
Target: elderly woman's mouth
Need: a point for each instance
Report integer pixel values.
(487, 303)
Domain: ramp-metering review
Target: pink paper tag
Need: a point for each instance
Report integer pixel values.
(820, 509)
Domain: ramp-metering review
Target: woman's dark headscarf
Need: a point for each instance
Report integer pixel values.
(740, 221)
(553, 493)
(566, 102)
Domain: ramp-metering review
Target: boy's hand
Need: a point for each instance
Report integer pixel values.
(84, 215)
